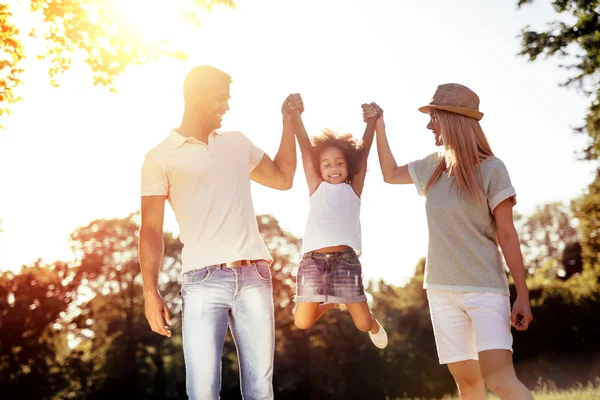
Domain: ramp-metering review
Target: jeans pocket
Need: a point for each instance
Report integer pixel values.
(196, 277)
(263, 271)
(353, 265)
(304, 257)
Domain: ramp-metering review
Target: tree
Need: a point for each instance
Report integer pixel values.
(571, 260)
(125, 356)
(404, 311)
(579, 41)
(292, 366)
(587, 209)
(545, 235)
(129, 358)
(10, 60)
(32, 346)
(98, 302)
(97, 31)
(336, 361)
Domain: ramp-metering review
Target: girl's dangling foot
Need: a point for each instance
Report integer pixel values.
(379, 338)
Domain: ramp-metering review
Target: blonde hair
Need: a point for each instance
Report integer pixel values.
(465, 146)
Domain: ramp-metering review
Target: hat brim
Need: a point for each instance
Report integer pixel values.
(467, 112)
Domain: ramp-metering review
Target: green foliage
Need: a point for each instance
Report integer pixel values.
(79, 331)
(564, 310)
(94, 31)
(10, 60)
(546, 235)
(579, 42)
(587, 210)
(32, 343)
(124, 349)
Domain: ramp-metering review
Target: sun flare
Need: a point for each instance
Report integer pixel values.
(155, 24)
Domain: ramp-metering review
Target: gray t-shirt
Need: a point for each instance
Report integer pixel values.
(463, 254)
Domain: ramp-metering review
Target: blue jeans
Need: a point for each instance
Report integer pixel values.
(242, 298)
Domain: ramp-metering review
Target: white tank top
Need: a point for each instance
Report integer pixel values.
(333, 219)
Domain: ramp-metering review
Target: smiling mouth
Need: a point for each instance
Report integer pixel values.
(335, 176)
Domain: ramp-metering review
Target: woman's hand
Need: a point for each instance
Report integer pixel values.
(521, 312)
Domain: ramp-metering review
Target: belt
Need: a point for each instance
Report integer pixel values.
(235, 264)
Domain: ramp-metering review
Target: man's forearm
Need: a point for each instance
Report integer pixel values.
(286, 155)
(151, 254)
(301, 135)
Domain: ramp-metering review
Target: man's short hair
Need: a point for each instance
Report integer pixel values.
(203, 76)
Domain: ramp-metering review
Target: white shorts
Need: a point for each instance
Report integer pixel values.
(465, 324)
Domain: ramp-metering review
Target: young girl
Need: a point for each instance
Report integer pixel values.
(468, 201)
(330, 272)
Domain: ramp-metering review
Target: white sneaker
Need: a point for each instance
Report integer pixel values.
(380, 339)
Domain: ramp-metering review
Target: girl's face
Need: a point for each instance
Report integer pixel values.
(434, 125)
(333, 165)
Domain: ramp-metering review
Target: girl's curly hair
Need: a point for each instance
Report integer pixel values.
(350, 147)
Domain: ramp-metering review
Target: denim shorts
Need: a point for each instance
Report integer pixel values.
(330, 278)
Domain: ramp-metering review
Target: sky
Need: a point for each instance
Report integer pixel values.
(73, 154)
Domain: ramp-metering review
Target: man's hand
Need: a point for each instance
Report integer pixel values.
(521, 313)
(157, 313)
(368, 112)
(292, 104)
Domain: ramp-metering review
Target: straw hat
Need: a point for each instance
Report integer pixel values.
(455, 98)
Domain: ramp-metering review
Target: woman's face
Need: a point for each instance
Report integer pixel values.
(434, 126)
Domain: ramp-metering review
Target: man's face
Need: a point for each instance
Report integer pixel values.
(212, 104)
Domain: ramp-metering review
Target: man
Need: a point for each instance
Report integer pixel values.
(226, 277)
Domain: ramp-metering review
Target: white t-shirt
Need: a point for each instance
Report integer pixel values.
(208, 187)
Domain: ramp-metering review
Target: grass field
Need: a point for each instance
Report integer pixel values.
(584, 393)
(590, 391)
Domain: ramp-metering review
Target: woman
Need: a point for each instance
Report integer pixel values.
(469, 200)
